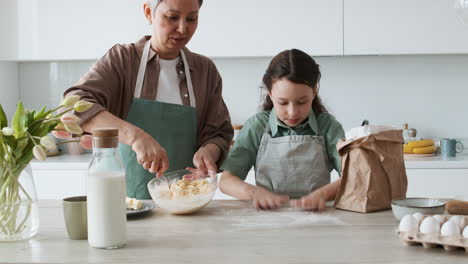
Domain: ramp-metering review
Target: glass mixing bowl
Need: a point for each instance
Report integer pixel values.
(177, 195)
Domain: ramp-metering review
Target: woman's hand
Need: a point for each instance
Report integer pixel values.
(206, 157)
(266, 200)
(150, 154)
(195, 174)
(313, 201)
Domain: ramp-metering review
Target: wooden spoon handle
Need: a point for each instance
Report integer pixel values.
(457, 207)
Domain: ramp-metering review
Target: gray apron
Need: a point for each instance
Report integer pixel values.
(173, 126)
(292, 165)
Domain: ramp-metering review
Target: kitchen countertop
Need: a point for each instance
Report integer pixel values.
(233, 232)
(437, 162)
(66, 161)
(63, 161)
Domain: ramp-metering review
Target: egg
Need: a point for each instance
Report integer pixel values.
(429, 225)
(465, 232)
(408, 224)
(419, 217)
(439, 218)
(450, 228)
(459, 220)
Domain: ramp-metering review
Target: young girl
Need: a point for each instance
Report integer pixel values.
(291, 144)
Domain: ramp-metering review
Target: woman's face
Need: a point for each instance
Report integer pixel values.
(173, 25)
(292, 101)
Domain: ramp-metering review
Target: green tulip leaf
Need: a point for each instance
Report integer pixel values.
(3, 118)
(21, 145)
(41, 114)
(19, 121)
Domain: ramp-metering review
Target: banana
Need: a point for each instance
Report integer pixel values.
(425, 150)
(407, 149)
(421, 143)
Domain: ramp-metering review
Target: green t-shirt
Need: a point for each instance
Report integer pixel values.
(243, 153)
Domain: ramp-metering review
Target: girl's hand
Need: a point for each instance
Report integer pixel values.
(313, 201)
(150, 154)
(205, 158)
(266, 200)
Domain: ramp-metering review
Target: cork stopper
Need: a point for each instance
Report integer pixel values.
(105, 132)
(105, 138)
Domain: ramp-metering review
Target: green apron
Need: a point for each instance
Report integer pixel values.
(173, 126)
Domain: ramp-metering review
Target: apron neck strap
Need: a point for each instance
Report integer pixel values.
(142, 70)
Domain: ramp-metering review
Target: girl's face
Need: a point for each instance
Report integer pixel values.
(292, 101)
(173, 25)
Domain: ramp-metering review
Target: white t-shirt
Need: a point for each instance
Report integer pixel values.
(168, 83)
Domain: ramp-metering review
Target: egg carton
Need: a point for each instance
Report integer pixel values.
(433, 240)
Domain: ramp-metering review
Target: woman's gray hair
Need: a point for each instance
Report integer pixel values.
(154, 3)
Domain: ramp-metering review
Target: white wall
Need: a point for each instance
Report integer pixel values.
(9, 87)
(429, 92)
(43, 83)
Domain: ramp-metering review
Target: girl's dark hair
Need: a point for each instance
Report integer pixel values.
(296, 66)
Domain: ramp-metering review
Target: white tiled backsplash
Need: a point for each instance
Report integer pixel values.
(428, 92)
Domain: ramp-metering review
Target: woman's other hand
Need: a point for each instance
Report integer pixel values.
(150, 154)
(206, 157)
(266, 200)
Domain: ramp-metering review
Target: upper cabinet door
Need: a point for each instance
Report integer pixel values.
(241, 28)
(403, 27)
(86, 29)
(8, 30)
(70, 29)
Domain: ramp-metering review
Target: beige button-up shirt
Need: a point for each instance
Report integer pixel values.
(110, 85)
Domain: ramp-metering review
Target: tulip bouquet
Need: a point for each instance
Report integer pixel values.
(27, 137)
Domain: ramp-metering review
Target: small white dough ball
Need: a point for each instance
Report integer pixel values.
(459, 220)
(465, 232)
(419, 217)
(451, 229)
(408, 224)
(439, 218)
(429, 225)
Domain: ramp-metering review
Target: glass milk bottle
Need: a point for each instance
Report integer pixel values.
(107, 217)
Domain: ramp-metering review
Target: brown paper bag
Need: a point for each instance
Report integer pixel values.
(372, 172)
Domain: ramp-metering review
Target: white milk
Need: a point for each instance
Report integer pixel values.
(107, 217)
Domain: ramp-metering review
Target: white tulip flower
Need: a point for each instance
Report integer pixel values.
(39, 152)
(48, 143)
(8, 131)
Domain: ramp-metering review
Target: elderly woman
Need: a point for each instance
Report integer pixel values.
(165, 100)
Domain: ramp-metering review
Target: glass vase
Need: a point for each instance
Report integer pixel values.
(19, 217)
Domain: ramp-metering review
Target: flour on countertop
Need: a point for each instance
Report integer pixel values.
(249, 218)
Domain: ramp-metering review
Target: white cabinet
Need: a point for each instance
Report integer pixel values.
(8, 30)
(86, 29)
(266, 27)
(65, 175)
(59, 184)
(437, 183)
(403, 27)
(67, 29)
